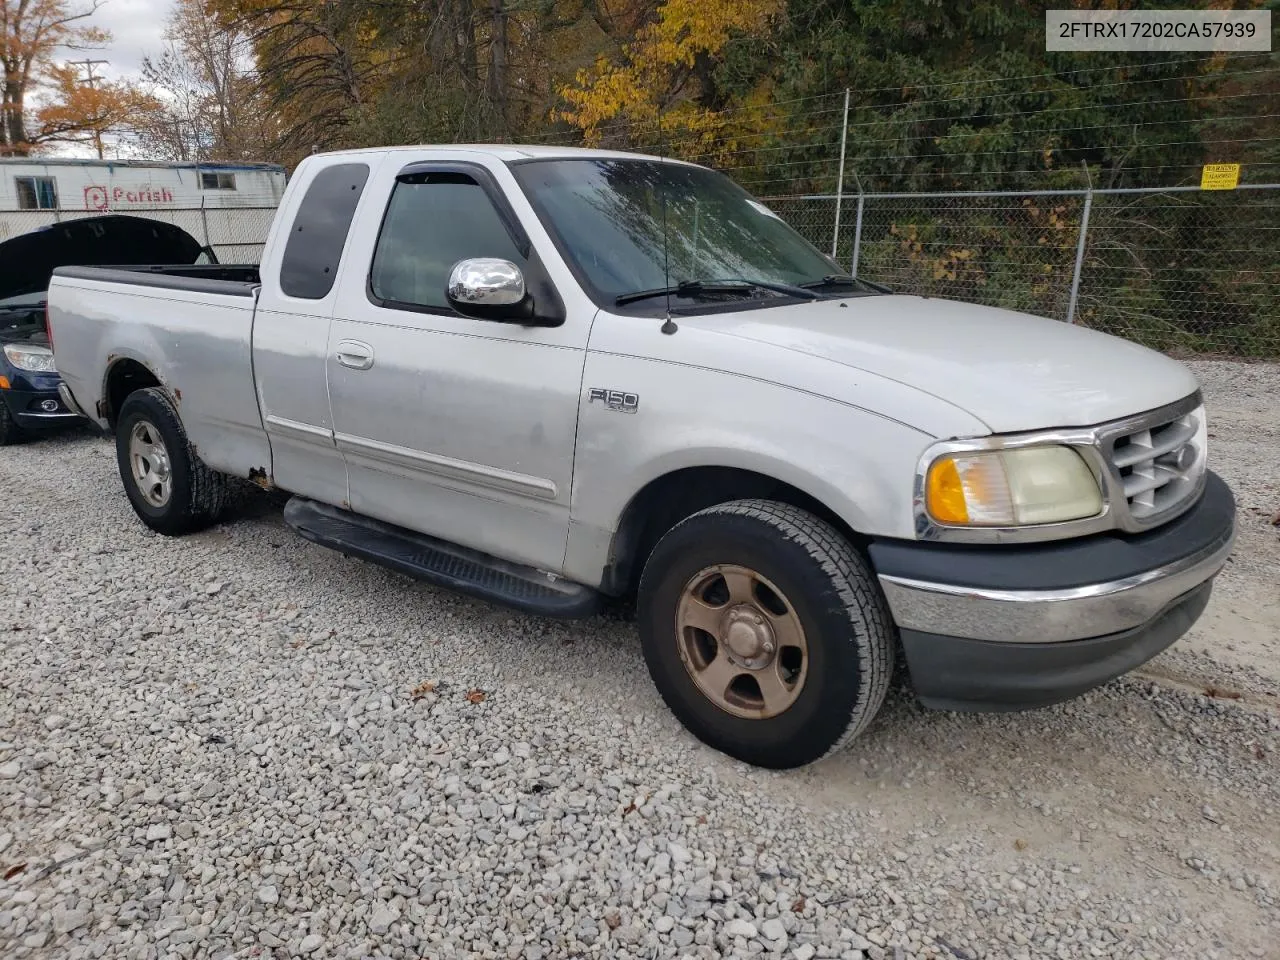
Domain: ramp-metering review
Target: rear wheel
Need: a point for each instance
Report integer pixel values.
(765, 632)
(170, 489)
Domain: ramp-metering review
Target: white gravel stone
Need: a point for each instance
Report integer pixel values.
(679, 853)
(64, 921)
(773, 929)
(382, 919)
(740, 928)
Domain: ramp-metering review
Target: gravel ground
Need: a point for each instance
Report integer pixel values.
(242, 744)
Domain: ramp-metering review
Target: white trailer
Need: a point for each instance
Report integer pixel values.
(227, 206)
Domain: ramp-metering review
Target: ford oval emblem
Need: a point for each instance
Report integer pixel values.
(49, 406)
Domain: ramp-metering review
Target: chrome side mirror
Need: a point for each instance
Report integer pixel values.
(485, 282)
(487, 288)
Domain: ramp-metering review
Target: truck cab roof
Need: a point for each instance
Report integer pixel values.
(506, 152)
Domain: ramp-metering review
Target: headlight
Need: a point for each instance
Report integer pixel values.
(1015, 487)
(32, 359)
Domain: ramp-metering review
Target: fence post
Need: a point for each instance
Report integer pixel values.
(857, 237)
(204, 221)
(844, 136)
(1075, 277)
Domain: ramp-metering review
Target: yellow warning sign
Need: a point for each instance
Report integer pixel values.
(1220, 176)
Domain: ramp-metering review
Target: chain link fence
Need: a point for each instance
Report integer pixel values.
(234, 234)
(1179, 269)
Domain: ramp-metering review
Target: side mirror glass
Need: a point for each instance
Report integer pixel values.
(488, 289)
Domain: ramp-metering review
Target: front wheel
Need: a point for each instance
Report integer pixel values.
(765, 632)
(171, 490)
(10, 432)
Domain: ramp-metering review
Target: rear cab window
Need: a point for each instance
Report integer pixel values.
(319, 231)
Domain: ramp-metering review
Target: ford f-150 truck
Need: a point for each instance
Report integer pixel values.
(545, 377)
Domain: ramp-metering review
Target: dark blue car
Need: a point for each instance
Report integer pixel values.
(29, 401)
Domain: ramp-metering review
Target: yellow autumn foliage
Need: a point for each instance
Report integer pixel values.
(646, 88)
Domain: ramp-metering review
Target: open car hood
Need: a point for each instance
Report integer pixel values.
(28, 260)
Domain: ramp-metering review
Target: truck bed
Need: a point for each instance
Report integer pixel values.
(231, 279)
(187, 327)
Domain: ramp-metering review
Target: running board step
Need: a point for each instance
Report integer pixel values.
(439, 562)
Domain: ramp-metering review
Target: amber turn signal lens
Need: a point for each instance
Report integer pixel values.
(946, 493)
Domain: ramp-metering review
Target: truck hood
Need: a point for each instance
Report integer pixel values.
(1013, 371)
(29, 259)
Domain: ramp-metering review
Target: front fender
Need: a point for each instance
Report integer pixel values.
(858, 464)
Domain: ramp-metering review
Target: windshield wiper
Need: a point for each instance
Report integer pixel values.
(843, 280)
(694, 289)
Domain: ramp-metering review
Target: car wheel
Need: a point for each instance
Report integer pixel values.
(765, 632)
(171, 490)
(10, 432)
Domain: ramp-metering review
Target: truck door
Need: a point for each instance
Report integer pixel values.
(291, 330)
(459, 428)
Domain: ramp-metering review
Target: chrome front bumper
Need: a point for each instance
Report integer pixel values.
(1052, 616)
(1021, 626)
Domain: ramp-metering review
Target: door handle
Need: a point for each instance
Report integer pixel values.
(354, 354)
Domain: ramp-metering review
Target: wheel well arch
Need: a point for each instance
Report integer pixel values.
(666, 500)
(124, 376)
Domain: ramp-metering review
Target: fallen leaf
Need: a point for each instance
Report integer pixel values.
(1020, 844)
(422, 689)
(14, 870)
(799, 906)
(701, 818)
(475, 696)
(629, 808)
(1258, 752)
(1222, 693)
(298, 644)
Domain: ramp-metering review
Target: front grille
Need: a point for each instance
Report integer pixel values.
(1159, 465)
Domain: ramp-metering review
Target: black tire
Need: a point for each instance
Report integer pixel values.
(847, 628)
(10, 432)
(196, 494)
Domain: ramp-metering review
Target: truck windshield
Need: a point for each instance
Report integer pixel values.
(610, 218)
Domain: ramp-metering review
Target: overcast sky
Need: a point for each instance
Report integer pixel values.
(137, 31)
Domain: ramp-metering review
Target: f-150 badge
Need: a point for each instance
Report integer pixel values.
(619, 400)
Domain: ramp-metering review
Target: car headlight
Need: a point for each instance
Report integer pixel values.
(1013, 487)
(31, 359)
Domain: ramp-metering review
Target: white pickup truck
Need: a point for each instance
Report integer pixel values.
(548, 376)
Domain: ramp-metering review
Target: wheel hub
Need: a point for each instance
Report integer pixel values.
(748, 637)
(741, 641)
(152, 471)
